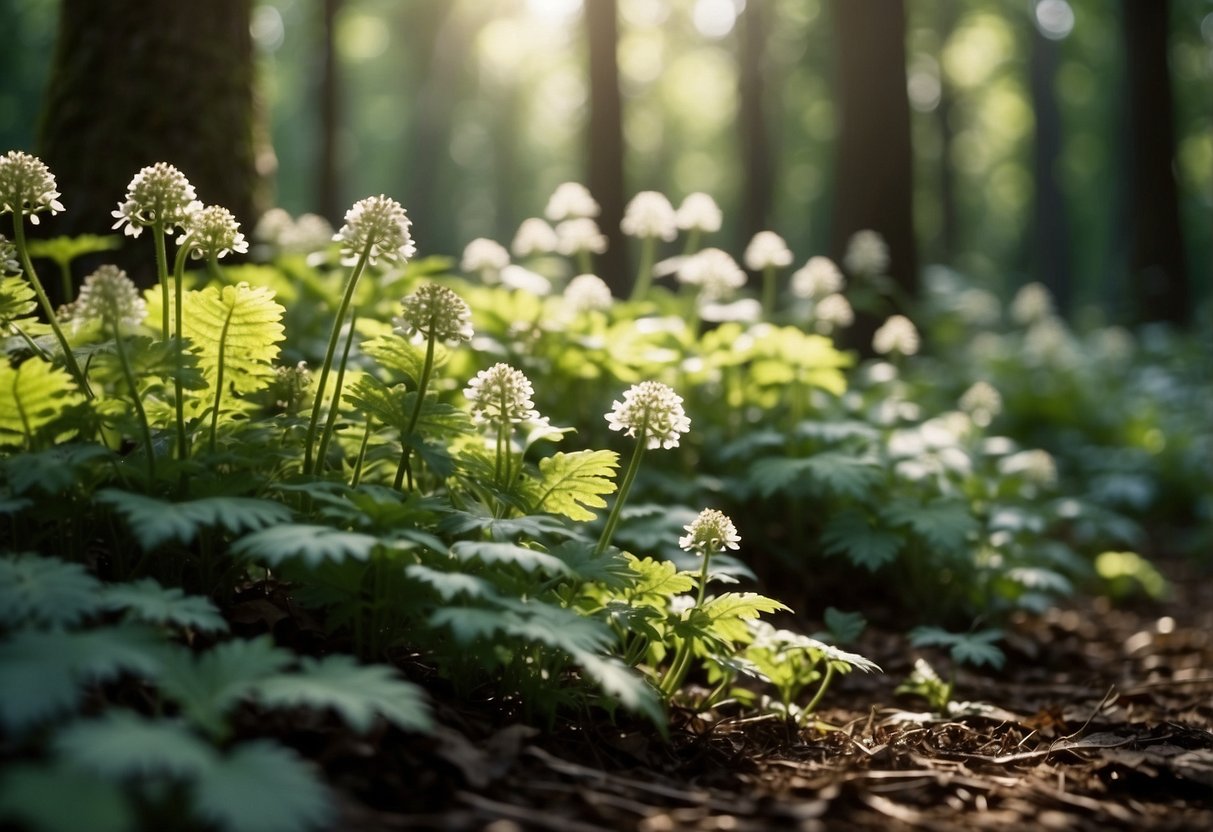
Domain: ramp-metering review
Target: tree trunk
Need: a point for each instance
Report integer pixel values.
(135, 82)
(606, 179)
(328, 88)
(1051, 230)
(873, 187)
(756, 144)
(1157, 271)
(949, 236)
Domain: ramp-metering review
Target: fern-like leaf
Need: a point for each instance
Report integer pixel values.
(402, 356)
(571, 484)
(493, 552)
(45, 591)
(209, 684)
(261, 786)
(42, 673)
(449, 585)
(311, 544)
(33, 397)
(656, 580)
(358, 693)
(155, 522)
(829, 472)
(146, 600)
(976, 648)
(236, 330)
(120, 745)
(944, 524)
(17, 302)
(53, 471)
(34, 796)
(623, 685)
(850, 533)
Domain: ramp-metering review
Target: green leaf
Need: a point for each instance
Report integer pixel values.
(236, 329)
(45, 591)
(827, 473)
(63, 799)
(572, 483)
(402, 356)
(850, 533)
(208, 685)
(56, 470)
(155, 522)
(976, 648)
(17, 301)
(494, 552)
(450, 584)
(64, 249)
(534, 526)
(120, 745)
(42, 673)
(844, 626)
(358, 693)
(624, 685)
(33, 396)
(309, 543)
(261, 786)
(944, 524)
(148, 601)
(656, 581)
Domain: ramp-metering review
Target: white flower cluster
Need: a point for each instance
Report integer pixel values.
(653, 410)
(212, 232)
(699, 212)
(711, 532)
(379, 226)
(534, 236)
(501, 394)
(27, 186)
(1035, 466)
(109, 296)
(157, 194)
(522, 279)
(1031, 304)
(305, 234)
(832, 312)
(817, 278)
(580, 234)
(486, 258)
(587, 292)
(982, 402)
(867, 254)
(435, 312)
(714, 272)
(290, 385)
(650, 214)
(896, 335)
(570, 200)
(767, 250)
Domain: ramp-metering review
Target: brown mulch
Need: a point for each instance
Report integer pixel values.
(1102, 719)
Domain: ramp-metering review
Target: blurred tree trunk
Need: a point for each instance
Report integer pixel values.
(134, 82)
(1051, 229)
(756, 144)
(605, 140)
(873, 185)
(1158, 275)
(948, 224)
(328, 93)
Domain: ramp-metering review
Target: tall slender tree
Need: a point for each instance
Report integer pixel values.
(605, 140)
(1051, 227)
(1158, 273)
(134, 82)
(756, 139)
(873, 186)
(328, 98)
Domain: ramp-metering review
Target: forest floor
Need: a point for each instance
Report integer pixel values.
(1101, 719)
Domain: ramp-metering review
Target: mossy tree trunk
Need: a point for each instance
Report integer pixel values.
(135, 82)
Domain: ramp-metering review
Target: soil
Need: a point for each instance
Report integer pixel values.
(1101, 719)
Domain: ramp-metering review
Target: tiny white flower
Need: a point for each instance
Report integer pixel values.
(27, 186)
(699, 212)
(534, 236)
(897, 334)
(501, 394)
(484, 257)
(272, 225)
(832, 312)
(1032, 303)
(982, 402)
(570, 200)
(867, 254)
(979, 307)
(817, 278)
(307, 234)
(580, 234)
(767, 250)
(650, 214)
(1035, 466)
(379, 226)
(744, 310)
(587, 292)
(652, 409)
(711, 532)
(157, 194)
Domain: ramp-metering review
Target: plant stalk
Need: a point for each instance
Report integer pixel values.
(608, 531)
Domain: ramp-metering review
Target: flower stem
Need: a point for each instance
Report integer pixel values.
(682, 658)
(584, 261)
(422, 384)
(162, 275)
(358, 463)
(644, 276)
(69, 357)
(608, 531)
(692, 244)
(330, 422)
(129, 376)
(183, 442)
(768, 292)
(821, 689)
(318, 404)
